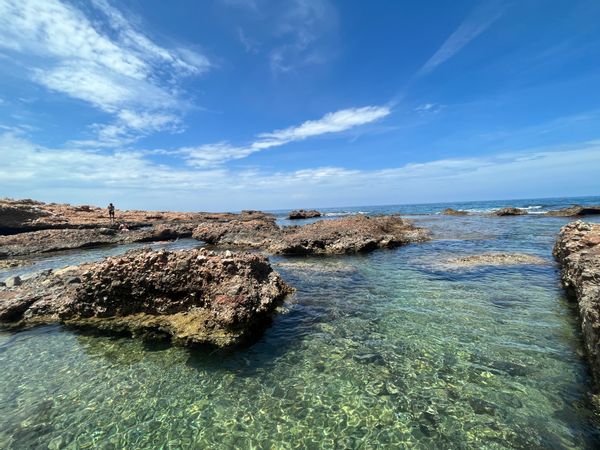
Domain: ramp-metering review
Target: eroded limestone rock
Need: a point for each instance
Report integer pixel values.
(191, 296)
(304, 214)
(578, 251)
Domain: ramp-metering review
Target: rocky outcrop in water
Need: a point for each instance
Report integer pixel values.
(351, 234)
(510, 211)
(192, 296)
(578, 251)
(575, 210)
(347, 235)
(454, 212)
(304, 214)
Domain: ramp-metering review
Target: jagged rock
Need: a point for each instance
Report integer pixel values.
(346, 235)
(454, 212)
(351, 234)
(575, 210)
(577, 249)
(191, 296)
(510, 211)
(495, 259)
(13, 282)
(304, 214)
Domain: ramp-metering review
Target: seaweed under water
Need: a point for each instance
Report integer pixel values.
(386, 350)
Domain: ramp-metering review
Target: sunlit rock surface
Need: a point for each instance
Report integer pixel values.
(352, 234)
(190, 296)
(578, 251)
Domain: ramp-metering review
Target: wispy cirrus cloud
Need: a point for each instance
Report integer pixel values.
(335, 122)
(290, 35)
(479, 20)
(104, 61)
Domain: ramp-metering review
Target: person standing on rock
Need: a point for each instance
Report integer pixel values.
(111, 212)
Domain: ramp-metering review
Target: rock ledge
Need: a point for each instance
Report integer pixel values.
(578, 251)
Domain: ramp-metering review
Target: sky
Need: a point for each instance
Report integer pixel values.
(271, 104)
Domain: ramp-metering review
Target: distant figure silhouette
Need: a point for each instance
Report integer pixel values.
(111, 212)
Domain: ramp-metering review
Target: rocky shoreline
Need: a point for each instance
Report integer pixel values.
(577, 249)
(354, 234)
(66, 227)
(191, 297)
(18, 216)
(571, 211)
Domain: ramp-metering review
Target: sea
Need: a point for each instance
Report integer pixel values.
(393, 349)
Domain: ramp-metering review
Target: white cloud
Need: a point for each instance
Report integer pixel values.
(335, 122)
(476, 23)
(133, 180)
(429, 108)
(105, 62)
(330, 123)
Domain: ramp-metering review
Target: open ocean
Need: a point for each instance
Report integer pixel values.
(393, 349)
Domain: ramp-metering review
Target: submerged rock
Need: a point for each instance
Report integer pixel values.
(304, 214)
(191, 296)
(575, 210)
(454, 212)
(346, 235)
(495, 259)
(578, 251)
(510, 211)
(8, 263)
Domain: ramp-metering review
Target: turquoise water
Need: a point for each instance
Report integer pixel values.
(388, 350)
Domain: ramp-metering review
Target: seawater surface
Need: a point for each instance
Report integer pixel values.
(394, 349)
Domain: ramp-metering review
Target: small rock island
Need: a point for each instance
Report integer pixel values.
(189, 296)
(304, 214)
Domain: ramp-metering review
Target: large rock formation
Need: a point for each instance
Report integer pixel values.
(575, 210)
(192, 296)
(347, 235)
(304, 214)
(351, 234)
(510, 211)
(578, 251)
(28, 215)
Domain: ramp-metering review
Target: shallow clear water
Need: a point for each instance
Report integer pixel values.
(386, 350)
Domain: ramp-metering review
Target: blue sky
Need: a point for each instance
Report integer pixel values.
(231, 104)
